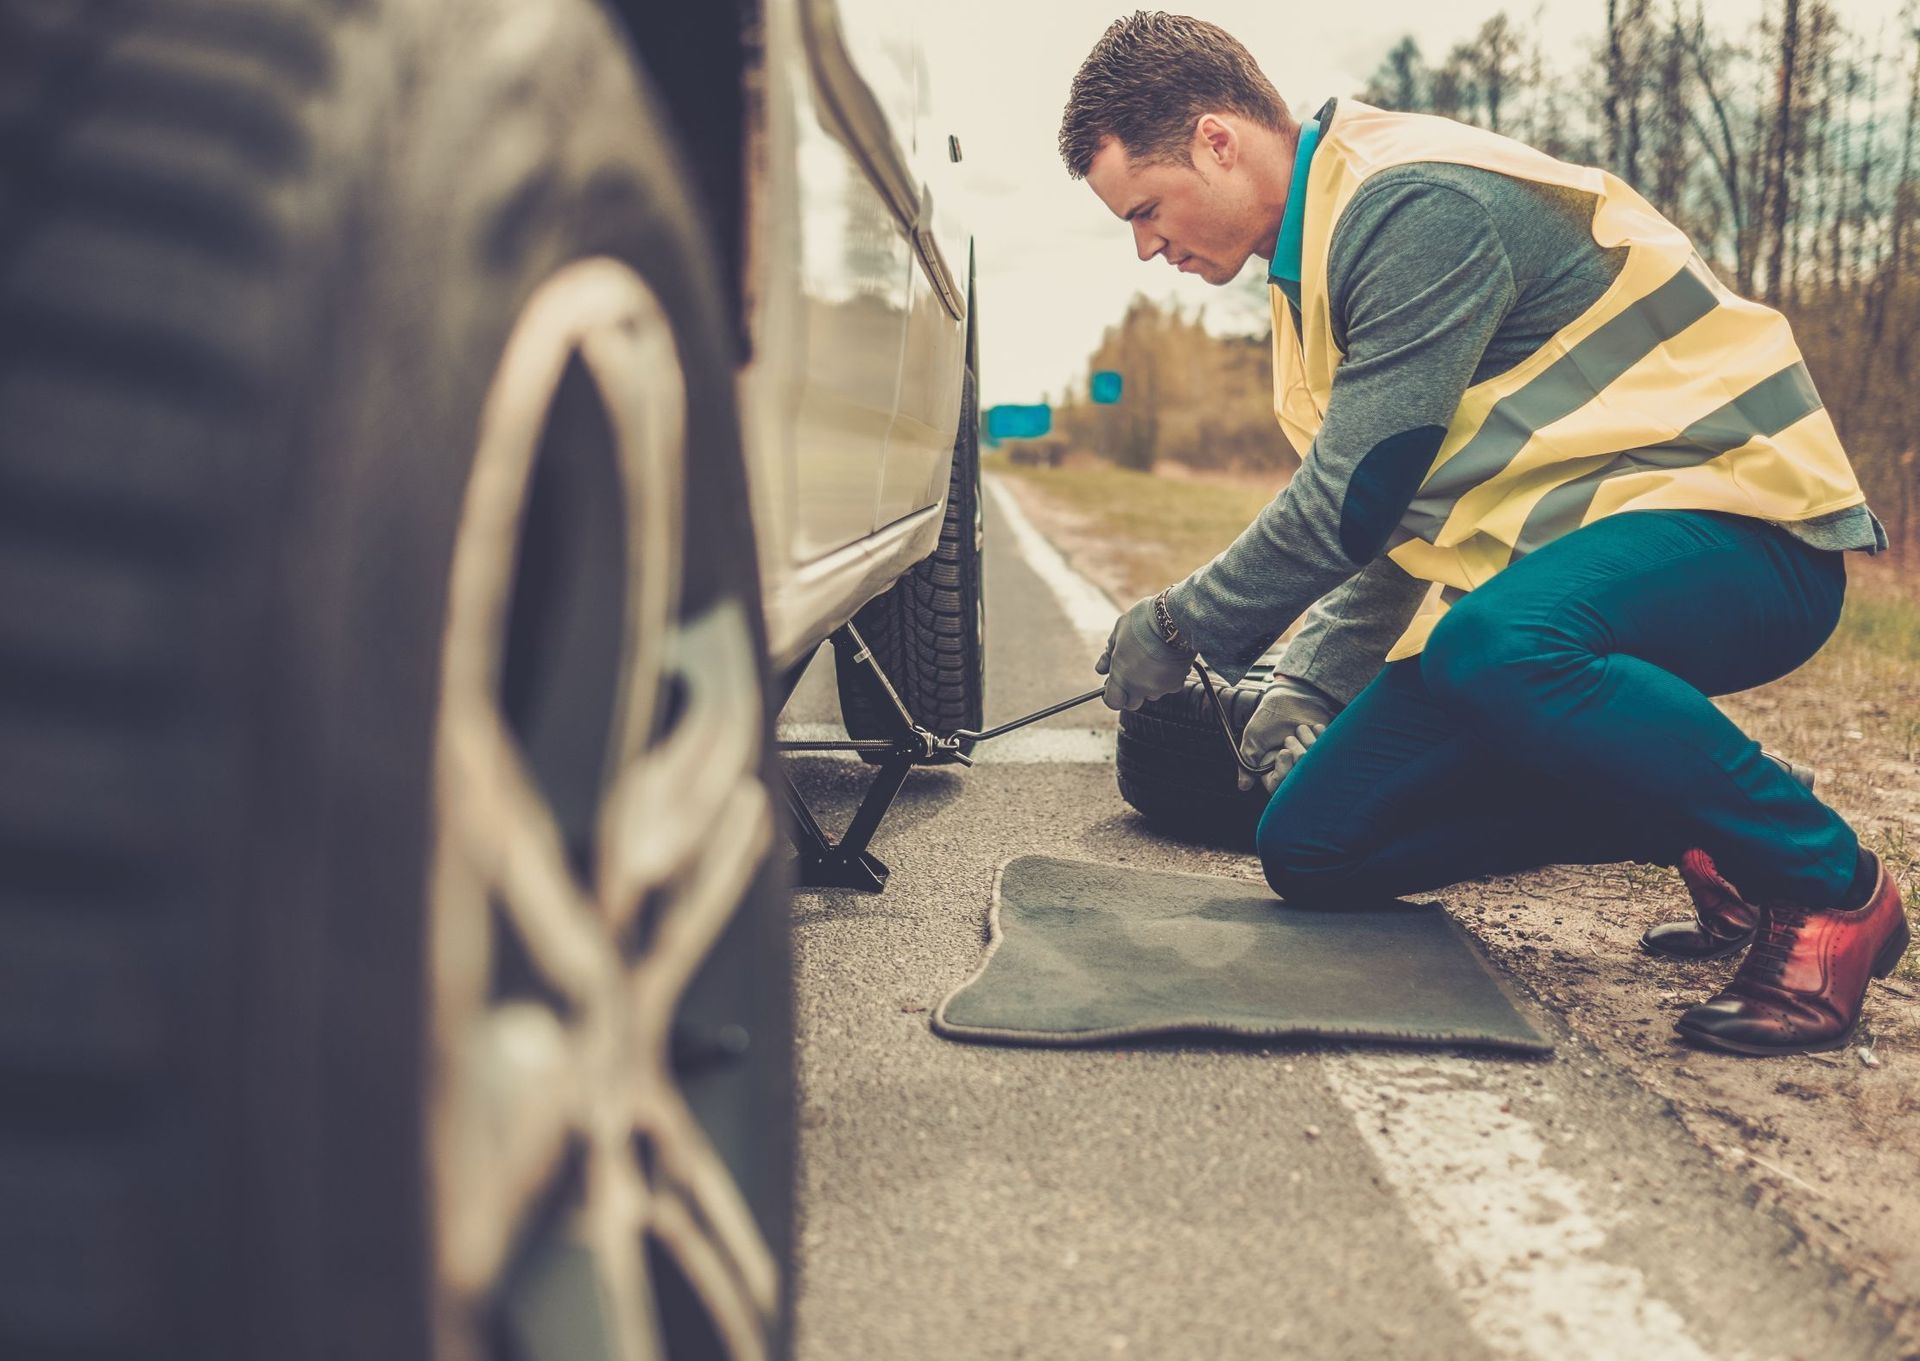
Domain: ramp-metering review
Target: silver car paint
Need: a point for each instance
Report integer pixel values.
(851, 399)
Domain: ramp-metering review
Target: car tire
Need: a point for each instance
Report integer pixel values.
(1178, 771)
(928, 631)
(394, 952)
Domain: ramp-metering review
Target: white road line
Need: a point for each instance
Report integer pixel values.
(1514, 1236)
(1086, 606)
(1023, 747)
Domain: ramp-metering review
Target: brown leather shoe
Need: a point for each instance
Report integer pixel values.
(1801, 987)
(1722, 922)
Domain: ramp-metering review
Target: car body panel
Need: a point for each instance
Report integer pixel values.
(852, 394)
(927, 411)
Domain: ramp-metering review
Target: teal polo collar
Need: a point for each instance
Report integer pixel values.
(1285, 269)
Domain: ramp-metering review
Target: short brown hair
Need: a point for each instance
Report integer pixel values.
(1148, 80)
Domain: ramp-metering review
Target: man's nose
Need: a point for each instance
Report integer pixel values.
(1147, 243)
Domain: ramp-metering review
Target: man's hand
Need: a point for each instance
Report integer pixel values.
(1290, 718)
(1138, 662)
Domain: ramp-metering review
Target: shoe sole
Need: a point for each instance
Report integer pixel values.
(1732, 949)
(1706, 1041)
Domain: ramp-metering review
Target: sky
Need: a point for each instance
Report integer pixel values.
(1055, 268)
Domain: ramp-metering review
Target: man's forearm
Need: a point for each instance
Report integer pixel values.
(1290, 556)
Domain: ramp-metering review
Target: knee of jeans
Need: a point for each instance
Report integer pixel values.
(1308, 878)
(1302, 868)
(1478, 660)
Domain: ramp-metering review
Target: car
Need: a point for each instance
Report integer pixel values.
(435, 435)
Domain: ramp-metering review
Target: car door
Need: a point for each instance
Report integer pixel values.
(927, 411)
(856, 265)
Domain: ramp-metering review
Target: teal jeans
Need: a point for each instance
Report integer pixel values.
(1560, 715)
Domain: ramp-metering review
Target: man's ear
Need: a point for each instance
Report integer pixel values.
(1215, 140)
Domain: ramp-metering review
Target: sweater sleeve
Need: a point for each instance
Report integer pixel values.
(1345, 638)
(1419, 281)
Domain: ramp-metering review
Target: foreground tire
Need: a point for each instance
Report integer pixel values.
(928, 631)
(393, 959)
(1177, 770)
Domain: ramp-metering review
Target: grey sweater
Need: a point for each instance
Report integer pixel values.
(1439, 277)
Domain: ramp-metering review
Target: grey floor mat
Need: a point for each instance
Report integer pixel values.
(1083, 953)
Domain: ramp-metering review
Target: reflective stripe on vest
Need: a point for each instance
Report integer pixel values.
(1707, 402)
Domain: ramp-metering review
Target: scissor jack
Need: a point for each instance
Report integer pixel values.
(847, 863)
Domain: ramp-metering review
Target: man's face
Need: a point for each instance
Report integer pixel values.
(1196, 215)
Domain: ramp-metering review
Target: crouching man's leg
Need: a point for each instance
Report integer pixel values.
(1591, 661)
(1397, 797)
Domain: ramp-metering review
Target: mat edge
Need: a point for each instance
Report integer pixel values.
(938, 1021)
(1079, 1038)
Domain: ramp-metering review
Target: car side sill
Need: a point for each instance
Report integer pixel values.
(814, 600)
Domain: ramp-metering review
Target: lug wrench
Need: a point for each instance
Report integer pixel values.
(1206, 680)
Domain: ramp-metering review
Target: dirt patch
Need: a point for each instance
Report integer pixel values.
(1829, 1138)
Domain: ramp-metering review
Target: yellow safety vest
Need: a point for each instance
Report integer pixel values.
(1671, 391)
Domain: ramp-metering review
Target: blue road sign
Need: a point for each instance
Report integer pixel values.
(1105, 387)
(1018, 422)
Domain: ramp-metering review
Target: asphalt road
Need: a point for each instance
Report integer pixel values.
(1214, 1201)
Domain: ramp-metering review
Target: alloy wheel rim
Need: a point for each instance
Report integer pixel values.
(559, 1142)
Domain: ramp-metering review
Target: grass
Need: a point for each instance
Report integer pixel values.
(1134, 532)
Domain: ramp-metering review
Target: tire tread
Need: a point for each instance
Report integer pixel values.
(922, 629)
(139, 167)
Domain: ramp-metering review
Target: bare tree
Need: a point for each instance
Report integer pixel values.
(1886, 273)
(1670, 151)
(1714, 130)
(1625, 60)
(1494, 58)
(1780, 150)
(1453, 92)
(1398, 81)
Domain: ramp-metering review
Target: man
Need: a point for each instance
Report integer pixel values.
(1561, 479)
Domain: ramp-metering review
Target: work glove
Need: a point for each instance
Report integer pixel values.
(1289, 719)
(1138, 662)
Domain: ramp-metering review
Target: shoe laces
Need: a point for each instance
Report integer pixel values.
(1773, 945)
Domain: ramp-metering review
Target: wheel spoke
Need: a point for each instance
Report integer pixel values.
(738, 1315)
(618, 1203)
(696, 915)
(673, 808)
(637, 369)
(691, 1176)
(510, 832)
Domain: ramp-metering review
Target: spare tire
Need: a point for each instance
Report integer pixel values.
(1178, 770)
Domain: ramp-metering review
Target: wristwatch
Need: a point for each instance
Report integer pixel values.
(1168, 629)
